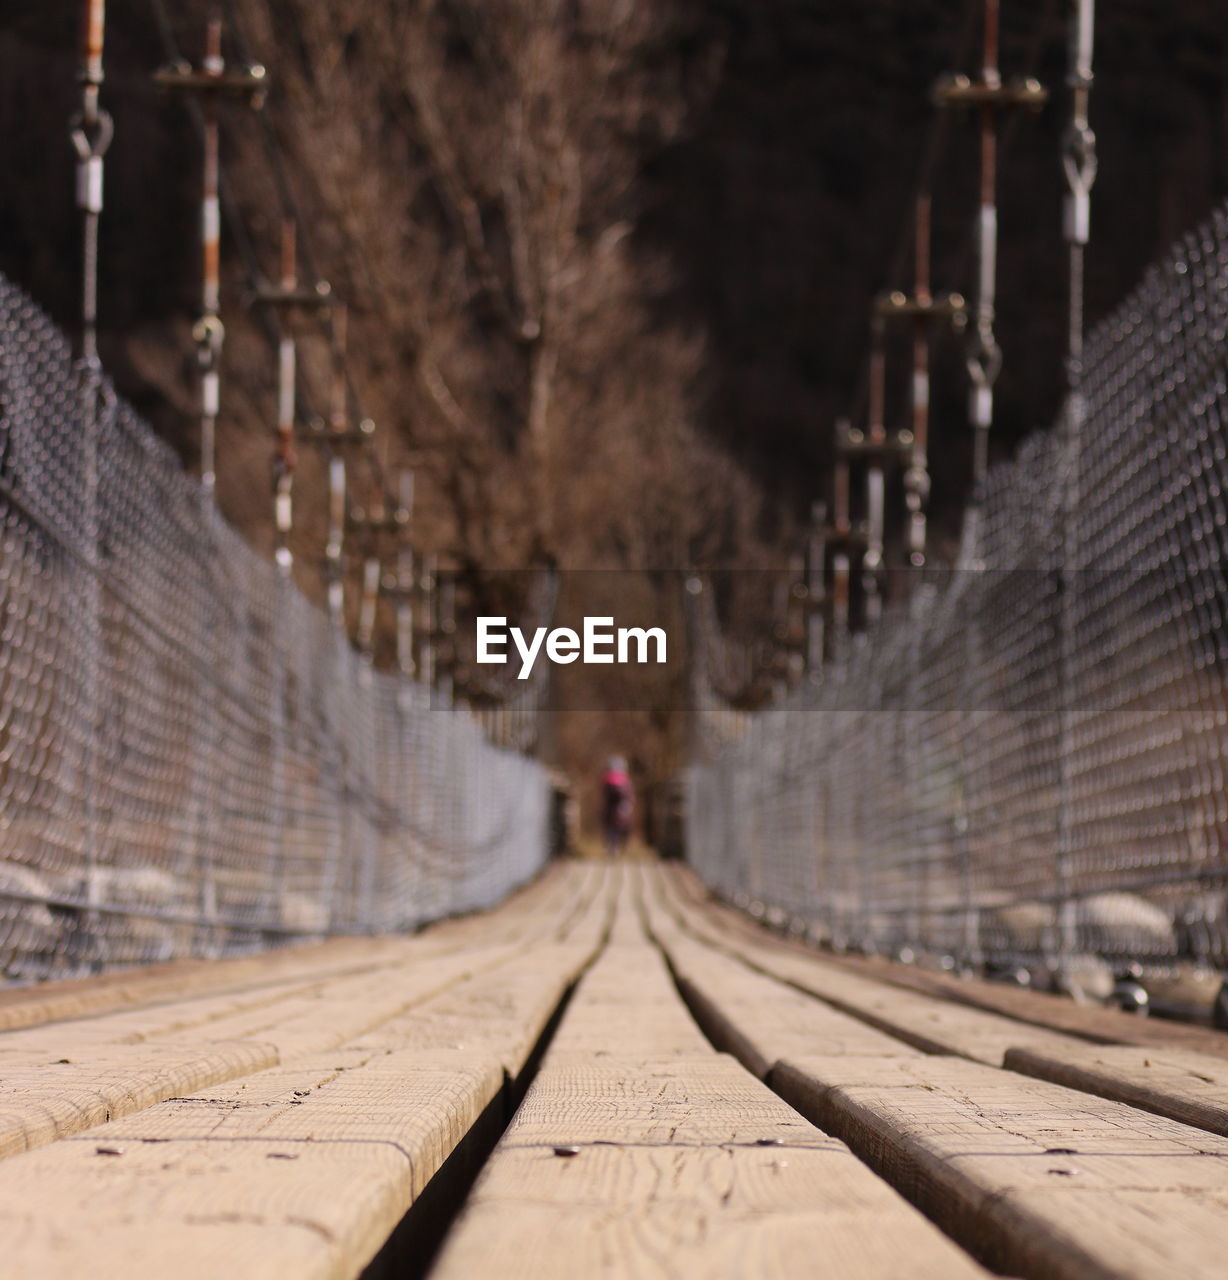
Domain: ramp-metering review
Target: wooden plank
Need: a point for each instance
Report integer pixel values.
(350, 1007)
(400, 1098)
(752, 1016)
(1043, 1009)
(309, 1165)
(933, 1026)
(641, 1152)
(629, 983)
(1054, 1012)
(929, 1024)
(236, 1017)
(175, 980)
(149, 1019)
(1189, 1087)
(1183, 1085)
(628, 989)
(246, 1016)
(698, 1100)
(503, 1012)
(1037, 1180)
(44, 1099)
(309, 1186)
(281, 1013)
(673, 1213)
(57, 1080)
(60, 1078)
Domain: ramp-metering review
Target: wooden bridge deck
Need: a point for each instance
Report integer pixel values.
(606, 1076)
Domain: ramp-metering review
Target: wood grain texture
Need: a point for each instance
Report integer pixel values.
(422, 1103)
(1182, 1084)
(1039, 1180)
(44, 1099)
(308, 1186)
(1186, 1086)
(677, 1213)
(641, 1152)
(933, 1026)
(307, 1166)
(680, 1101)
(175, 980)
(630, 1005)
(503, 1013)
(59, 1078)
(685, 1164)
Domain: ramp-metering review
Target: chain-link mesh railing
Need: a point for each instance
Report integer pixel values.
(1028, 758)
(192, 760)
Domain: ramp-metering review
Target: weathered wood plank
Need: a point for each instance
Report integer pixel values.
(179, 979)
(1043, 1009)
(59, 1078)
(670, 1213)
(149, 1019)
(346, 1008)
(684, 1101)
(1185, 1086)
(751, 1015)
(504, 1011)
(1038, 1180)
(425, 961)
(641, 1152)
(308, 1165)
(929, 1024)
(44, 1099)
(1090, 1022)
(310, 1187)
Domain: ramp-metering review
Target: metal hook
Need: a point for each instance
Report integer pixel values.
(92, 147)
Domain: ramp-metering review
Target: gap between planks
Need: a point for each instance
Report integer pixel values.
(1034, 1178)
(640, 1151)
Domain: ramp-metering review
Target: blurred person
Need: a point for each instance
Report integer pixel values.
(617, 805)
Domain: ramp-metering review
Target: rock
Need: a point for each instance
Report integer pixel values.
(137, 886)
(1018, 927)
(1124, 924)
(30, 932)
(1131, 997)
(1086, 979)
(303, 914)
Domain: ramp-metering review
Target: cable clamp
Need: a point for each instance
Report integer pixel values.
(90, 140)
(984, 358)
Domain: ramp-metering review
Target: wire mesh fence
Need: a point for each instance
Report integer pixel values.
(1027, 759)
(193, 762)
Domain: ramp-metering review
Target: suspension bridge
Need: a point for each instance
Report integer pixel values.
(297, 978)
